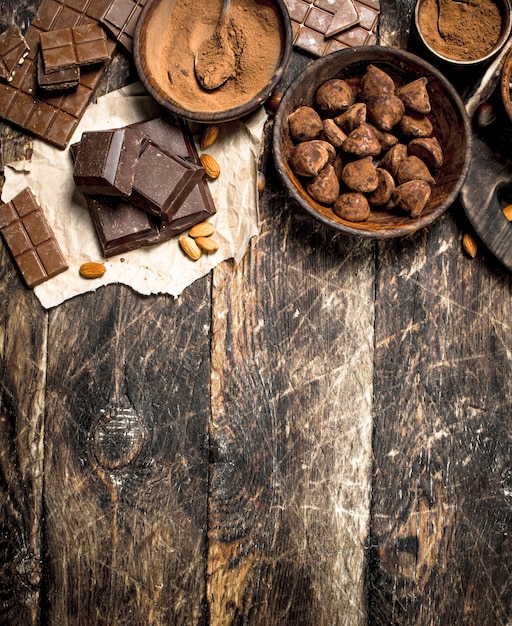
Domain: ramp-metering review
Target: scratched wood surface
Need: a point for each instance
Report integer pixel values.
(317, 436)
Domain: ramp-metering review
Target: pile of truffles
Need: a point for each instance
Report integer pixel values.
(366, 144)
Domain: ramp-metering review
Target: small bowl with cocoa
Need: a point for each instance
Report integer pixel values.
(212, 60)
(462, 33)
(372, 141)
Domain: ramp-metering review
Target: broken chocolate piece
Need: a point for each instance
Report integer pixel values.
(106, 161)
(344, 18)
(61, 80)
(13, 52)
(73, 47)
(162, 181)
(30, 239)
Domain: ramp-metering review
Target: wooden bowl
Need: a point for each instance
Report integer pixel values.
(168, 34)
(451, 127)
(436, 55)
(505, 85)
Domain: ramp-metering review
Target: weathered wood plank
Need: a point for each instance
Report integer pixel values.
(291, 425)
(441, 515)
(125, 491)
(22, 414)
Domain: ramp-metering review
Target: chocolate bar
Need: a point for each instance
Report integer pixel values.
(106, 161)
(163, 180)
(55, 117)
(30, 239)
(61, 80)
(121, 19)
(320, 27)
(13, 51)
(73, 47)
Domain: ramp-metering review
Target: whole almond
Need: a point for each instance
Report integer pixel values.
(209, 136)
(203, 229)
(92, 270)
(190, 247)
(469, 245)
(208, 244)
(211, 167)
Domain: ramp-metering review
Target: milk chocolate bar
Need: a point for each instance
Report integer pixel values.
(163, 180)
(55, 117)
(13, 51)
(61, 80)
(121, 19)
(106, 161)
(320, 27)
(30, 239)
(73, 47)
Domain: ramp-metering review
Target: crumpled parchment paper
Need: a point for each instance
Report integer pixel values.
(154, 269)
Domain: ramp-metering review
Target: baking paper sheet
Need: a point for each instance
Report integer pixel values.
(156, 269)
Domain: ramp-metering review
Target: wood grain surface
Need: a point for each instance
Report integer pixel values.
(319, 435)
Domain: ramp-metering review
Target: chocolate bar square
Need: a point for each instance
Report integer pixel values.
(30, 239)
(106, 161)
(73, 47)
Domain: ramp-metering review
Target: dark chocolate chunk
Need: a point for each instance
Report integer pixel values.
(30, 239)
(73, 47)
(52, 118)
(162, 181)
(122, 226)
(106, 161)
(121, 20)
(61, 80)
(13, 51)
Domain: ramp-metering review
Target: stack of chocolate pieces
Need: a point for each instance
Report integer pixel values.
(143, 183)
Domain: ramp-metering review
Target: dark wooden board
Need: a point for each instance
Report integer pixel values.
(126, 464)
(291, 426)
(441, 517)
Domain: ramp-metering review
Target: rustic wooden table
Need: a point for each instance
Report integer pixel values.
(318, 436)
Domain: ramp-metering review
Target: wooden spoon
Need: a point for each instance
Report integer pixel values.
(215, 60)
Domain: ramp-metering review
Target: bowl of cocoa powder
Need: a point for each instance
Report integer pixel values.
(372, 141)
(462, 32)
(169, 34)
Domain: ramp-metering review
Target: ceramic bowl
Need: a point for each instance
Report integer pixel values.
(451, 127)
(436, 55)
(165, 44)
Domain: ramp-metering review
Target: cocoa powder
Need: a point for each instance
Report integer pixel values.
(464, 30)
(179, 28)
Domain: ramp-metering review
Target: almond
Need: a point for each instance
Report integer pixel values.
(211, 167)
(469, 245)
(92, 270)
(208, 244)
(190, 247)
(209, 136)
(203, 229)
